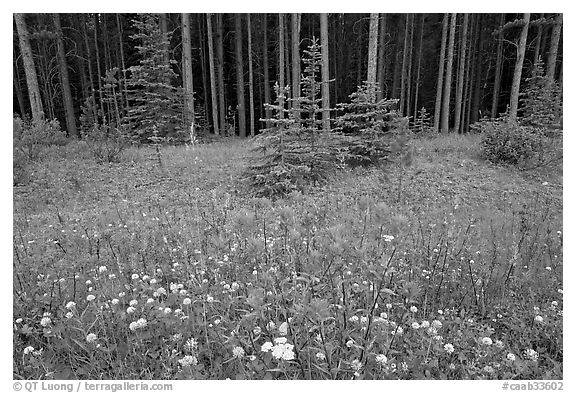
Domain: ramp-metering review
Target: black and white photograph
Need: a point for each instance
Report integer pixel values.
(287, 196)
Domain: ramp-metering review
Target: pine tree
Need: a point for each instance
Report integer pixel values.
(540, 101)
(154, 101)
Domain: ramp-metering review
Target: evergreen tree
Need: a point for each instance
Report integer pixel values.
(154, 102)
(541, 101)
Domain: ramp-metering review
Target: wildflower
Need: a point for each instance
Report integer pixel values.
(364, 320)
(486, 341)
(436, 324)
(209, 299)
(413, 309)
(167, 310)
(415, 325)
(91, 337)
(349, 343)
(145, 277)
(383, 315)
(88, 282)
(90, 297)
(356, 365)
(511, 357)
(381, 359)
(499, 344)
(216, 322)
(353, 318)
(531, 354)
(320, 356)
(238, 352)
(561, 291)
(102, 269)
(488, 369)
(538, 319)
(257, 330)
(388, 238)
(130, 310)
(153, 281)
(267, 346)
(283, 328)
(115, 301)
(388, 306)
(449, 348)
(188, 361)
(161, 291)
(554, 303)
(122, 294)
(438, 338)
(425, 324)
(69, 315)
(440, 312)
(191, 344)
(135, 276)
(452, 366)
(177, 337)
(139, 324)
(404, 367)
(28, 349)
(280, 340)
(70, 305)
(548, 268)
(150, 300)
(18, 320)
(499, 315)
(133, 302)
(45, 321)
(271, 325)
(399, 331)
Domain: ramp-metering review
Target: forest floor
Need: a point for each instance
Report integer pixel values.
(433, 219)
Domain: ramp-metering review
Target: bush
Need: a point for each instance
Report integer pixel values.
(30, 137)
(507, 142)
(106, 143)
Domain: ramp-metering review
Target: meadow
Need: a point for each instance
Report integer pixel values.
(164, 267)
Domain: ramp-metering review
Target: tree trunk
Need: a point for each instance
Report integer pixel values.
(514, 94)
(90, 71)
(187, 69)
(240, 77)
(220, 66)
(163, 19)
(409, 73)
(372, 56)
(417, 88)
(469, 78)
(202, 45)
(404, 65)
(553, 53)
(325, 73)
(288, 72)
(296, 66)
(381, 59)
(103, 114)
(18, 89)
(477, 63)
(439, 84)
(266, 70)
(498, 73)
(65, 80)
(122, 57)
(461, 68)
(538, 42)
(448, 80)
(250, 76)
(29, 69)
(281, 63)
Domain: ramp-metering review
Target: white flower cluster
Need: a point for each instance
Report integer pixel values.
(139, 324)
(531, 354)
(188, 361)
(281, 349)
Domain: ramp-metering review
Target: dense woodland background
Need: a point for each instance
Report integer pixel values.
(459, 67)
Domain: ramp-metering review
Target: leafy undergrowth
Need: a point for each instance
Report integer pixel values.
(448, 268)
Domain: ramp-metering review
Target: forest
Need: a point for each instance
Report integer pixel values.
(288, 197)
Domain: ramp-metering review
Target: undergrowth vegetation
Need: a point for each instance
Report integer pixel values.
(445, 269)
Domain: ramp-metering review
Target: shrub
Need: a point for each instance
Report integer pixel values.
(107, 144)
(29, 137)
(541, 101)
(507, 142)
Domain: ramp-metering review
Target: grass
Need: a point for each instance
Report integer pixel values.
(447, 268)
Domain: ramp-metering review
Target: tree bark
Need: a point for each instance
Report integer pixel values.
(266, 70)
(461, 68)
(417, 87)
(29, 68)
(538, 42)
(553, 53)
(202, 45)
(498, 73)
(404, 65)
(325, 73)
(187, 69)
(409, 75)
(240, 77)
(103, 114)
(220, 73)
(448, 79)
(296, 66)
(90, 71)
(212, 75)
(18, 89)
(381, 59)
(477, 63)
(281, 63)
(250, 76)
(65, 80)
(122, 59)
(439, 84)
(514, 94)
(372, 56)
